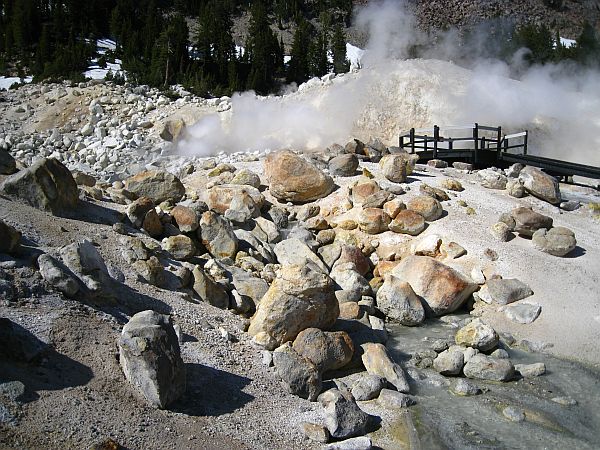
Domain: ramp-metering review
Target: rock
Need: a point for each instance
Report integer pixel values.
(501, 232)
(343, 418)
(150, 358)
(492, 179)
(246, 177)
(353, 254)
(353, 285)
(428, 246)
(326, 350)
(376, 200)
(217, 236)
(453, 250)
(437, 163)
(408, 222)
(523, 312)
(357, 443)
(397, 167)
(464, 388)
(558, 241)
(477, 334)
(430, 208)
(343, 165)
(515, 188)
(452, 185)
(9, 238)
(504, 291)
(301, 297)
(294, 251)
(531, 370)
(394, 399)
(314, 432)
(377, 362)
(292, 178)
(449, 362)
(500, 353)
(514, 170)
(540, 184)
(301, 377)
(47, 185)
(57, 275)
(186, 218)
(180, 247)
(84, 260)
(528, 221)
(367, 386)
(173, 130)
(434, 192)
(462, 166)
(363, 189)
(570, 205)
(157, 185)
(373, 221)
(394, 207)
(443, 289)
(398, 302)
(208, 290)
(8, 165)
(83, 179)
(152, 224)
(224, 197)
(482, 367)
(513, 414)
(151, 271)
(137, 210)
(564, 401)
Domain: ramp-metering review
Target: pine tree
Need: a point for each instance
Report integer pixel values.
(262, 48)
(338, 50)
(318, 63)
(299, 68)
(587, 47)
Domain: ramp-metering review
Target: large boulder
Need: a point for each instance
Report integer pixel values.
(326, 350)
(299, 374)
(540, 184)
(150, 357)
(294, 179)
(294, 251)
(558, 241)
(442, 288)
(397, 167)
(343, 165)
(527, 221)
(47, 184)
(377, 362)
(217, 236)
(398, 302)
(343, 417)
(157, 185)
(301, 297)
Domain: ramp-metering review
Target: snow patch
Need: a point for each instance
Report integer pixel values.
(7, 82)
(354, 55)
(567, 42)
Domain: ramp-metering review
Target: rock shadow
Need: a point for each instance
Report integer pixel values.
(36, 364)
(212, 392)
(576, 252)
(92, 213)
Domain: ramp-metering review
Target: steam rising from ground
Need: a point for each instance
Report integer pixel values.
(391, 94)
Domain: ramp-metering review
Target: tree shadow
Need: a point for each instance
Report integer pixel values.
(212, 392)
(37, 365)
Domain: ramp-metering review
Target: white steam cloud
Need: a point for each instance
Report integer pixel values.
(391, 94)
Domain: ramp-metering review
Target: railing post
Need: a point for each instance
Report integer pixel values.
(525, 142)
(412, 140)
(476, 142)
(401, 142)
(505, 147)
(436, 137)
(499, 141)
(450, 144)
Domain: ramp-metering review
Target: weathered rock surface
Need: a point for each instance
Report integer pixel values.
(217, 236)
(301, 297)
(294, 251)
(209, 290)
(524, 312)
(482, 367)
(187, 219)
(397, 167)
(9, 238)
(232, 196)
(301, 376)
(492, 179)
(367, 386)
(449, 362)
(157, 185)
(57, 275)
(47, 185)
(377, 362)
(442, 288)
(357, 443)
(180, 247)
(540, 184)
(504, 291)
(394, 399)
(294, 179)
(531, 370)
(428, 207)
(528, 221)
(150, 357)
(397, 300)
(477, 334)
(558, 241)
(343, 417)
(408, 222)
(326, 350)
(373, 220)
(464, 388)
(8, 165)
(343, 165)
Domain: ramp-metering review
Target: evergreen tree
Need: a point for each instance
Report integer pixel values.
(538, 39)
(587, 47)
(318, 62)
(263, 50)
(299, 67)
(338, 50)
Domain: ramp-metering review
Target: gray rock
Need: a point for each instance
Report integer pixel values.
(378, 362)
(394, 399)
(208, 290)
(300, 376)
(133, 249)
(500, 353)
(397, 300)
(367, 386)
(397, 167)
(564, 401)
(523, 312)
(504, 291)
(357, 443)
(8, 165)
(314, 432)
(343, 165)
(150, 357)
(501, 232)
(180, 247)
(558, 241)
(57, 275)
(462, 166)
(540, 184)
(449, 362)
(437, 163)
(293, 251)
(352, 285)
(217, 236)
(492, 179)
(482, 367)
(377, 200)
(477, 334)
(157, 185)
(343, 418)
(513, 414)
(138, 209)
(528, 221)
(514, 170)
(570, 205)
(515, 188)
(47, 185)
(531, 370)
(464, 388)
(246, 177)
(84, 260)
(9, 238)
(151, 271)
(326, 350)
